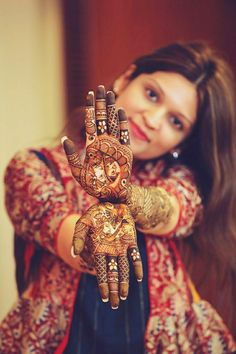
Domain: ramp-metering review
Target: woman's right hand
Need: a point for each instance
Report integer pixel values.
(106, 169)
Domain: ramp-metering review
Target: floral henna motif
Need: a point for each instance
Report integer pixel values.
(101, 112)
(111, 231)
(113, 122)
(124, 131)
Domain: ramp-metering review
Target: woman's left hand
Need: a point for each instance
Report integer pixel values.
(106, 169)
(109, 232)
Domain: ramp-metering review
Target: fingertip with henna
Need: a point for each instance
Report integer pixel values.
(90, 99)
(69, 146)
(63, 139)
(100, 92)
(122, 115)
(72, 252)
(110, 98)
(123, 297)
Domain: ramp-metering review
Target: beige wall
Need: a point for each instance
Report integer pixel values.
(31, 99)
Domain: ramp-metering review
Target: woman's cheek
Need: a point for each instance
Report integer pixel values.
(166, 139)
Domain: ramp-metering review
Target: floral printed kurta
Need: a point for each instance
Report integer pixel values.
(39, 322)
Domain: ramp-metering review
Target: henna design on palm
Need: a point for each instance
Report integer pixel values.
(106, 169)
(111, 233)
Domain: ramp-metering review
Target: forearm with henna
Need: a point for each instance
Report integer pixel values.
(149, 206)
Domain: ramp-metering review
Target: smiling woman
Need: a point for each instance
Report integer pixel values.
(179, 98)
(161, 109)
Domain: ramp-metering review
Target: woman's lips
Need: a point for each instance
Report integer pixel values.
(137, 132)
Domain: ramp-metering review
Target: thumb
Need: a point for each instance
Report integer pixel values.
(80, 233)
(72, 157)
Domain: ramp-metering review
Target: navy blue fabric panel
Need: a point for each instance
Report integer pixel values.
(96, 328)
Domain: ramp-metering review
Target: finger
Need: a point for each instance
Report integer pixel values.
(88, 258)
(72, 157)
(136, 259)
(124, 128)
(79, 237)
(87, 254)
(101, 110)
(112, 271)
(101, 268)
(112, 117)
(123, 266)
(90, 121)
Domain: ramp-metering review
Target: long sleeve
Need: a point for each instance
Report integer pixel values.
(36, 202)
(152, 201)
(181, 183)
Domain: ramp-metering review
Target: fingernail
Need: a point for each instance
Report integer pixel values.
(68, 146)
(114, 308)
(105, 300)
(110, 98)
(123, 297)
(122, 115)
(72, 252)
(100, 92)
(139, 280)
(63, 139)
(90, 98)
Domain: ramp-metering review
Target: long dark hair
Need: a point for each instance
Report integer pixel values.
(210, 151)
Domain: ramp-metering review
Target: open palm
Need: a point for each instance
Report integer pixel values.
(106, 169)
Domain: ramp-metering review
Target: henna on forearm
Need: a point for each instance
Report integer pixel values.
(149, 206)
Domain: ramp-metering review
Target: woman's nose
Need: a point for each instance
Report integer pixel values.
(154, 119)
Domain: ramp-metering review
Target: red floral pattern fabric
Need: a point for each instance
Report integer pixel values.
(39, 322)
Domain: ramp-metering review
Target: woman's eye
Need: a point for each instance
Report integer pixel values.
(176, 122)
(152, 95)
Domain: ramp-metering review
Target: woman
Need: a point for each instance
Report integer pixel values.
(179, 102)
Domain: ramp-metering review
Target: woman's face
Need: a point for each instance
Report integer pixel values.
(161, 108)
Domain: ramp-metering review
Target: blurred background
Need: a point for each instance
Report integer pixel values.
(54, 51)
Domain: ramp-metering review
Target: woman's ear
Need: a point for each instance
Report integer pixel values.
(123, 80)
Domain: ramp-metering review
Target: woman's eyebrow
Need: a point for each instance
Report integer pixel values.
(155, 83)
(184, 117)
